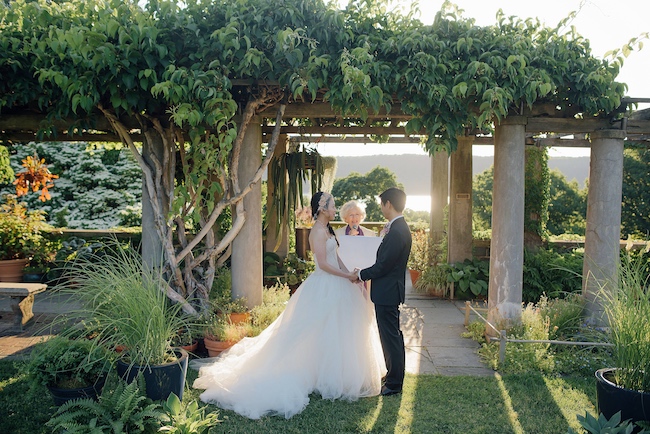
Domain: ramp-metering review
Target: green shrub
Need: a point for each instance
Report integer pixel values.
(68, 363)
(564, 316)
(121, 408)
(470, 278)
(551, 319)
(20, 230)
(419, 256)
(549, 272)
(274, 300)
(187, 417)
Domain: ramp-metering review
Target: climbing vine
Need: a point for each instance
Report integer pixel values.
(537, 192)
(190, 76)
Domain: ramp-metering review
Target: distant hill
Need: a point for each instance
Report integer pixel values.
(413, 170)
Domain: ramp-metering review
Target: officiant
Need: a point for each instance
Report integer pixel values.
(353, 214)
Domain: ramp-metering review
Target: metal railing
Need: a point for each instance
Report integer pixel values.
(503, 339)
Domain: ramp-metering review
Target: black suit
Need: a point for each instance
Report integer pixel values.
(387, 293)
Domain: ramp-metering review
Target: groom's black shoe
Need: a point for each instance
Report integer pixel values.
(386, 391)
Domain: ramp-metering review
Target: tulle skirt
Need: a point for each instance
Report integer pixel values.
(326, 341)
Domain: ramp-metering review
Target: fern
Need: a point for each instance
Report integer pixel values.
(121, 408)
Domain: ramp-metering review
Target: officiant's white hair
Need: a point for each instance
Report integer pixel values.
(350, 206)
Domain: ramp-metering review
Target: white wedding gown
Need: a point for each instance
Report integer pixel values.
(326, 341)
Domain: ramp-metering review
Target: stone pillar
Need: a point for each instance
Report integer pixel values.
(271, 220)
(439, 196)
(460, 202)
(602, 237)
(246, 259)
(507, 247)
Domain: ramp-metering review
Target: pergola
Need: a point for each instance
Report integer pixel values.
(541, 126)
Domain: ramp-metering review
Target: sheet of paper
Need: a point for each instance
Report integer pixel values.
(358, 252)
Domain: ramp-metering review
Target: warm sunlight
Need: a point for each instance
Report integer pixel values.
(562, 392)
(507, 402)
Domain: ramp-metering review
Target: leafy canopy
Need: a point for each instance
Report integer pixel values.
(180, 60)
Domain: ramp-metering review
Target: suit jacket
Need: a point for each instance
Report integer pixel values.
(366, 232)
(389, 271)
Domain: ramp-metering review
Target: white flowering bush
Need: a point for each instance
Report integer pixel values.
(98, 187)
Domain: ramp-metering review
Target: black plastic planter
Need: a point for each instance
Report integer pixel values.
(612, 398)
(61, 396)
(160, 380)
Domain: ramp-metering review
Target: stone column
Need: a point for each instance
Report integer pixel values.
(246, 256)
(460, 202)
(271, 219)
(439, 195)
(602, 237)
(507, 247)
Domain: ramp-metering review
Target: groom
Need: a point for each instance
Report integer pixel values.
(388, 286)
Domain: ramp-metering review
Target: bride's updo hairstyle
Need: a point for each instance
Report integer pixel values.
(317, 206)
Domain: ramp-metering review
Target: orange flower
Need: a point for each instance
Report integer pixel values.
(35, 176)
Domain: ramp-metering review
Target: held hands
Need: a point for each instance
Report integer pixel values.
(354, 276)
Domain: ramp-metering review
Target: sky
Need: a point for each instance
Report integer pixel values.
(607, 25)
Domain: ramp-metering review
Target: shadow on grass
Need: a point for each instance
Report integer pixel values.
(548, 404)
(25, 407)
(437, 404)
(529, 403)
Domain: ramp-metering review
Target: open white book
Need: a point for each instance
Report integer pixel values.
(358, 252)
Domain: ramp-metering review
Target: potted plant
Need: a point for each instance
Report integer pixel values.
(418, 260)
(128, 306)
(69, 368)
(626, 303)
(186, 339)
(221, 299)
(237, 311)
(121, 407)
(433, 281)
(221, 334)
(41, 261)
(20, 238)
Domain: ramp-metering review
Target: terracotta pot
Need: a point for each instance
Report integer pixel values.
(215, 347)
(415, 275)
(11, 270)
(240, 318)
(191, 348)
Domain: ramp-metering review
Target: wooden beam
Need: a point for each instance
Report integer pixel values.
(565, 125)
(347, 139)
(324, 110)
(398, 131)
(31, 121)
(83, 137)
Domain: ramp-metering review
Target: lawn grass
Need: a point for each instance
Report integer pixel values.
(513, 403)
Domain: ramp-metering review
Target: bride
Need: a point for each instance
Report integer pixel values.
(326, 341)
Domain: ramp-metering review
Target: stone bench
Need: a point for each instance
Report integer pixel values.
(22, 300)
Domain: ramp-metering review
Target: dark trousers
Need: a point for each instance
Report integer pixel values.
(392, 342)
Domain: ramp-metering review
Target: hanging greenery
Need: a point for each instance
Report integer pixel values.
(288, 173)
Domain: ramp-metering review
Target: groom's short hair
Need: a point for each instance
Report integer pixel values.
(396, 197)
